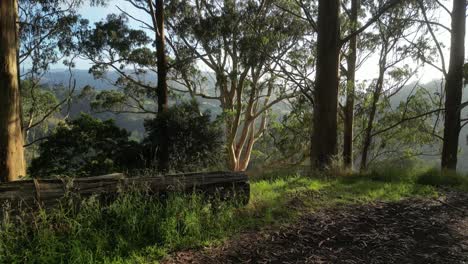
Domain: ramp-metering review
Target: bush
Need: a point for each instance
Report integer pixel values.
(194, 140)
(438, 178)
(86, 146)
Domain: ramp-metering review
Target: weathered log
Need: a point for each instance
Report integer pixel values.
(48, 192)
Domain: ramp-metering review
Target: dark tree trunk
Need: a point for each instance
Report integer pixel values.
(370, 123)
(453, 86)
(373, 111)
(350, 87)
(163, 152)
(12, 164)
(324, 136)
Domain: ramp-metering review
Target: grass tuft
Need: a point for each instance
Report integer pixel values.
(434, 177)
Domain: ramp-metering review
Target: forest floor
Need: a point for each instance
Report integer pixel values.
(411, 230)
(389, 215)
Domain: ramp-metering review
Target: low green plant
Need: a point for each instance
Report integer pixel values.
(439, 178)
(140, 228)
(133, 226)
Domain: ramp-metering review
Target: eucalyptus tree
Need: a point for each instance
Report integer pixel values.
(12, 164)
(113, 45)
(279, 147)
(45, 28)
(239, 41)
(351, 63)
(394, 72)
(33, 32)
(329, 44)
(403, 127)
(158, 23)
(325, 132)
(453, 75)
(454, 86)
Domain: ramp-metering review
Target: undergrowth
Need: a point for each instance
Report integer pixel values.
(139, 228)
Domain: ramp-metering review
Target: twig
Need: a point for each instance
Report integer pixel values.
(454, 207)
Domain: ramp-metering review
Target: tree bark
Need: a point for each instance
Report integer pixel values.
(350, 88)
(324, 135)
(12, 164)
(370, 121)
(453, 86)
(163, 153)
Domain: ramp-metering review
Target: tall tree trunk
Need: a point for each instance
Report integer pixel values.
(453, 86)
(350, 88)
(375, 100)
(12, 164)
(370, 122)
(163, 153)
(324, 135)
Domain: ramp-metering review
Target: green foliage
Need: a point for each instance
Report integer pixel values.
(110, 100)
(115, 36)
(113, 45)
(438, 178)
(395, 139)
(280, 144)
(36, 101)
(40, 106)
(140, 228)
(194, 140)
(416, 173)
(85, 146)
(46, 28)
(136, 228)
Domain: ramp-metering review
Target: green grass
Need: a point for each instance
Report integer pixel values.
(138, 228)
(444, 179)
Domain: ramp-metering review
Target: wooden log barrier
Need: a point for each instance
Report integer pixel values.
(48, 192)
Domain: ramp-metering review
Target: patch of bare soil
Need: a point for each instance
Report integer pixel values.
(408, 231)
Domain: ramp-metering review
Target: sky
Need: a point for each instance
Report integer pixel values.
(368, 71)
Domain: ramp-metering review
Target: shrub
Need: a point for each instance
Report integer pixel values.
(194, 140)
(85, 146)
(438, 178)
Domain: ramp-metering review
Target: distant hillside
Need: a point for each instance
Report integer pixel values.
(82, 77)
(433, 87)
(134, 122)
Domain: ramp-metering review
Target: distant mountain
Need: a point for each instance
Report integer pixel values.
(83, 78)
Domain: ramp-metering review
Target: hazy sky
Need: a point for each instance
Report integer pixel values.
(368, 71)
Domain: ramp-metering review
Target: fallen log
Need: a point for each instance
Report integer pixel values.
(48, 192)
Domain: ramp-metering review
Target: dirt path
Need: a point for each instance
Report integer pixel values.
(409, 231)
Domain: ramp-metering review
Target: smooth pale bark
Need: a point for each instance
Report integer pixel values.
(453, 87)
(12, 164)
(350, 88)
(324, 136)
(241, 146)
(243, 89)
